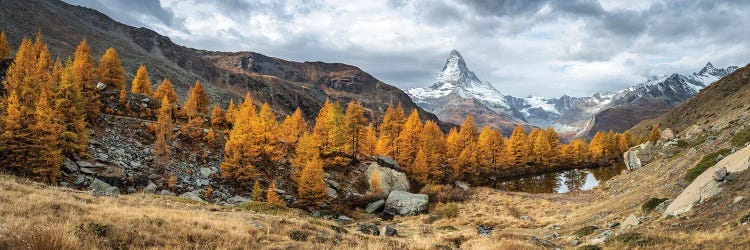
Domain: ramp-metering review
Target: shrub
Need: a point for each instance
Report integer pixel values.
(741, 138)
(263, 207)
(707, 162)
(446, 210)
(299, 235)
(585, 231)
(93, 228)
(651, 204)
(632, 240)
(444, 193)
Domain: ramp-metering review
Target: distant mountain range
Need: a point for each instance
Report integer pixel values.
(458, 92)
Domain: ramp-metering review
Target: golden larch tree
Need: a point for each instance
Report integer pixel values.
(491, 146)
(518, 151)
(467, 165)
(421, 168)
(375, 183)
(45, 155)
(197, 101)
(273, 197)
(142, 82)
(305, 150)
(390, 128)
(329, 132)
(468, 133)
(453, 148)
(312, 187)
(431, 143)
(655, 134)
(231, 110)
(4, 46)
(163, 129)
(598, 146)
(354, 124)
(218, 117)
(84, 72)
(266, 130)
(242, 150)
(294, 126)
(368, 143)
(407, 141)
(71, 106)
(166, 89)
(257, 192)
(110, 70)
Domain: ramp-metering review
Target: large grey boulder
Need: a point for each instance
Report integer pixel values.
(405, 203)
(638, 156)
(192, 196)
(388, 162)
(667, 134)
(69, 166)
(99, 187)
(705, 186)
(150, 188)
(236, 200)
(390, 179)
(374, 206)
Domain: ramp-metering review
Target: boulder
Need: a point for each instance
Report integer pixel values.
(344, 218)
(206, 172)
(85, 164)
(720, 174)
(101, 86)
(236, 200)
(388, 162)
(87, 171)
(390, 231)
(463, 185)
(484, 231)
(150, 188)
(192, 196)
(368, 229)
(738, 199)
(79, 180)
(631, 221)
(405, 203)
(704, 186)
(667, 134)
(332, 193)
(99, 187)
(166, 193)
(374, 206)
(69, 166)
(638, 156)
(390, 179)
(663, 206)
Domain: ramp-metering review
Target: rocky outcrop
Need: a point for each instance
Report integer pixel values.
(405, 203)
(99, 187)
(192, 196)
(390, 179)
(638, 156)
(705, 186)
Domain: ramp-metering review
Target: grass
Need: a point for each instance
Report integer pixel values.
(741, 138)
(707, 162)
(264, 207)
(632, 240)
(446, 210)
(651, 204)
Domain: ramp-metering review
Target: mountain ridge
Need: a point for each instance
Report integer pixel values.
(571, 116)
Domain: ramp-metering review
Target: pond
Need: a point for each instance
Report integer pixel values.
(562, 181)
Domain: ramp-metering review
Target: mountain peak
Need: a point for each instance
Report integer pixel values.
(709, 68)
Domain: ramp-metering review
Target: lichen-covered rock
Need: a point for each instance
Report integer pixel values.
(374, 206)
(405, 203)
(638, 156)
(99, 187)
(390, 179)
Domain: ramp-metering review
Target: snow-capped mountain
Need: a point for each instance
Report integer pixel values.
(457, 92)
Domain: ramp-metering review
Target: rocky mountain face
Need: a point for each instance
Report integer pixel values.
(285, 85)
(458, 92)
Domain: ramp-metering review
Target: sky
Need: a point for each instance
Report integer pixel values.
(523, 47)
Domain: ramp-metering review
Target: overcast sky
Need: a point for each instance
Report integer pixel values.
(523, 47)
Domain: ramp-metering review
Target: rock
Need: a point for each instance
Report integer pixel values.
(729, 177)
(192, 196)
(484, 231)
(390, 179)
(85, 164)
(374, 206)
(462, 185)
(333, 184)
(719, 174)
(631, 221)
(613, 224)
(150, 188)
(405, 203)
(667, 134)
(663, 206)
(101, 86)
(388, 162)
(390, 231)
(69, 166)
(99, 187)
(704, 186)
(79, 180)
(102, 156)
(206, 172)
(738, 199)
(236, 200)
(135, 164)
(554, 227)
(344, 218)
(87, 171)
(166, 193)
(332, 193)
(368, 229)
(63, 184)
(638, 156)
(602, 237)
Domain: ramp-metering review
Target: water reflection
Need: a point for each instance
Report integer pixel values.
(561, 182)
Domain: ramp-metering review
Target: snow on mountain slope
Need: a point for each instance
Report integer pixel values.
(457, 90)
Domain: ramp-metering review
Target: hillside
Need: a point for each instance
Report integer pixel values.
(285, 85)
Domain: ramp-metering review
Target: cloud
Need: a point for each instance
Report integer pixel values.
(538, 47)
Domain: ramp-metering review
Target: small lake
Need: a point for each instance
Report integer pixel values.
(562, 181)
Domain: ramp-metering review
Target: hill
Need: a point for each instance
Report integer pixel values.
(285, 85)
